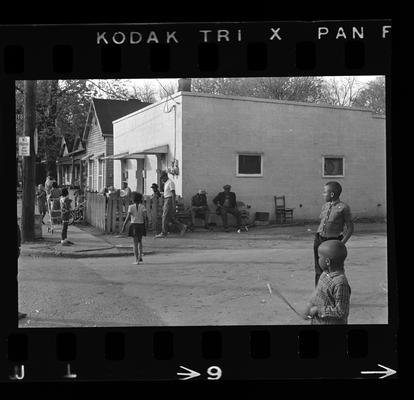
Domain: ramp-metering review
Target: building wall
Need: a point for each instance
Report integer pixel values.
(292, 137)
(149, 127)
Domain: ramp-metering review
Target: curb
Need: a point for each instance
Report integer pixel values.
(59, 254)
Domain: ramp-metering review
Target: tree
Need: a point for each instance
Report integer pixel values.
(373, 96)
(166, 90)
(306, 89)
(145, 93)
(341, 91)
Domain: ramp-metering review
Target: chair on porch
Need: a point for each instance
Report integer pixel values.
(283, 215)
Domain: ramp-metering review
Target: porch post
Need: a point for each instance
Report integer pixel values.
(73, 171)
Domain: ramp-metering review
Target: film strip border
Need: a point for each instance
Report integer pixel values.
(196, 50)
(176, 50)
(240, 353)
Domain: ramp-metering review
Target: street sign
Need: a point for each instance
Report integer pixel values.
(24, 146)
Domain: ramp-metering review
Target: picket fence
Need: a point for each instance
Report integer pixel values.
(108, 214)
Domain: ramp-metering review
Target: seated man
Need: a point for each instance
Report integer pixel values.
(226, 204)
(199, 208)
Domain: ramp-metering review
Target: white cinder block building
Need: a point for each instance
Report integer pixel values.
(261, 147)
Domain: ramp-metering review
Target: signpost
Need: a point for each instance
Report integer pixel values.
(24, 146)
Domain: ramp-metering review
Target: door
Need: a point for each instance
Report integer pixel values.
(140, 183)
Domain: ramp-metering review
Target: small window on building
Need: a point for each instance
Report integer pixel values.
(249, 165)
(333, 166)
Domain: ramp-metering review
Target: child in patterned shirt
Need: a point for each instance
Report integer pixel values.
(330, 303)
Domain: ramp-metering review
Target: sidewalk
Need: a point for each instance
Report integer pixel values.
(86, 245)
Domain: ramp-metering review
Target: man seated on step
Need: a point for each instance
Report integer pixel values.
(200, 209)
(226, 204)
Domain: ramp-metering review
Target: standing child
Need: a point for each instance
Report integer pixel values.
(330, 302)
(41, 201)
(137, 229)
(336, 221)
(65, 211)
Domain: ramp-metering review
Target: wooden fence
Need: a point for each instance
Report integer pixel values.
(108, 214)
(95, 210)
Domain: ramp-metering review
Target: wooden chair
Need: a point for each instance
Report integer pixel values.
(283, 215)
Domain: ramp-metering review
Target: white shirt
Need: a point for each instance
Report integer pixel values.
(137, 215)
(168, 188)
(125, 192)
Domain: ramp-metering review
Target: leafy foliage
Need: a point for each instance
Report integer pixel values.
(373, 96)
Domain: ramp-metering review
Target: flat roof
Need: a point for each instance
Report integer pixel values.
(250, 99)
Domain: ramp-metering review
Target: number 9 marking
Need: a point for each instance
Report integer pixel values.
(214, 372)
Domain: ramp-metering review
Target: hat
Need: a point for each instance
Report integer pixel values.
(226, 187)
(202, 191)
(154, 186)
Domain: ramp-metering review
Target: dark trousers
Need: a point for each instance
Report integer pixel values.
(233, 211)
(168, 215)
(65, 225)
(318, 240)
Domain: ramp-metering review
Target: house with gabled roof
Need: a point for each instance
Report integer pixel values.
(64, 162)
(97, 138)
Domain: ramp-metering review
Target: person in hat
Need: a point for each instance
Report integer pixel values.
(169, 207)
(226, 204)
(155, 190)
(200, 208)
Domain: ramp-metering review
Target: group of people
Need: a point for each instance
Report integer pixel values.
(225, 202)
(330, 302)
(52, 198)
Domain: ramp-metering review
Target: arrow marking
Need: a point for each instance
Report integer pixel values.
(387, 372)
(188, 375)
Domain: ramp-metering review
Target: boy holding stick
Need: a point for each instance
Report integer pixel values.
(330, 302)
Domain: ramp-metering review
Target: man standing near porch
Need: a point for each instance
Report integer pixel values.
(168, 209)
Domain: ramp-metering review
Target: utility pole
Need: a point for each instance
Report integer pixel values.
(29, 162)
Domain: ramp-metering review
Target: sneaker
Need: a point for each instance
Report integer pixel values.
(64, 243)
(140, 259)
(160, 235)
(183, 230)
(135, 262)
(22, 315)
(68, 241)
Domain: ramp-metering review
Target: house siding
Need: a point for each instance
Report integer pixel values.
(95, 144)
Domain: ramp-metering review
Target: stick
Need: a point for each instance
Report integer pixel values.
(284, 299)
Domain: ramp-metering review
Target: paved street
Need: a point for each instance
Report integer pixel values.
(203, 278)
